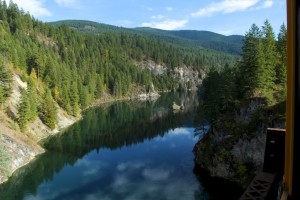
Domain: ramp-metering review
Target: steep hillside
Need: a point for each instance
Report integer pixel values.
(18, 147)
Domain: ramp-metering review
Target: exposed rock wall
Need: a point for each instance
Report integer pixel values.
(186, 76)
(234, 146)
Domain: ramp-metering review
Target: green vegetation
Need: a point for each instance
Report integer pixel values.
(185, 38)
(48, 110)
(5, 80)
(244, 99)
(260, 73)
(65, 66)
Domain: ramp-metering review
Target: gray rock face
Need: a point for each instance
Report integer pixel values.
(154, 68)
(235, 145)
(250, 150)
(187, 78)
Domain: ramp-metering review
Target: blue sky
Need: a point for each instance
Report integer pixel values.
(222, 16)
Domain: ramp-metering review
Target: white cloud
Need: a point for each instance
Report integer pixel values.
(34, 7)
(268, 4)
(68, 3)
(158, 17)
(225, 6)
(265, 4)
(169, 9)
(179, 131)
(156, 174)
(120, 180)
(167, 24)
(130, 165)
(91, 171)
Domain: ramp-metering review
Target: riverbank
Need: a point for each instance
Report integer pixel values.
(18, 148)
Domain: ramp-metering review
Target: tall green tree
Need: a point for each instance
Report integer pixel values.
(24, 110)
(32, 98)
(48, 110)
(5, 82)
(74, 99)
(281, 49)
(250, 61)
(266, 70)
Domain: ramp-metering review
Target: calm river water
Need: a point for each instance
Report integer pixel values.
(127, 150)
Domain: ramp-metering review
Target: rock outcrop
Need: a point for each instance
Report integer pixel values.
(186, 77)
(234, 146)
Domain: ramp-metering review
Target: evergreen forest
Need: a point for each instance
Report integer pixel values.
(72, 68)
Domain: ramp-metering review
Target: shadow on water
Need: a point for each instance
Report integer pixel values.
(108, 126)
(217, 188)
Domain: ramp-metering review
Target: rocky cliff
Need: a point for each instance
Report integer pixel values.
(235, 144)
(186, 76)
(18, 148)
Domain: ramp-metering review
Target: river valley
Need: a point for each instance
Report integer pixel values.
(124, 150)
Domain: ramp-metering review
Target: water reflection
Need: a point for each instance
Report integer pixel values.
(126, 150)
(153, 173)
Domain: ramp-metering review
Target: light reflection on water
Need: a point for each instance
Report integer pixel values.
(126, 150)
(160, 168)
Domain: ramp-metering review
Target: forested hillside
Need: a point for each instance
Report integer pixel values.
(183, 38)
(48, 74)
(74, 69)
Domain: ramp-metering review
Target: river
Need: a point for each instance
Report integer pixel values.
(125, 150)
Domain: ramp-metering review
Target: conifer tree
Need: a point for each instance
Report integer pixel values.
(48, 110)
(3, 10)
(74, 99)
(24, 110)
(266, 70)
(2, 98)
(281, 49)
(5, 80)
(32, 98)
(250, 61)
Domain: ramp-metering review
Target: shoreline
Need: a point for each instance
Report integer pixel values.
(96, 103)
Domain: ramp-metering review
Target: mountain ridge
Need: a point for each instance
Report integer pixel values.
(231, 44)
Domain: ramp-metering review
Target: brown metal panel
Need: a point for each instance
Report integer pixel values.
(274, 151)
(290, 104)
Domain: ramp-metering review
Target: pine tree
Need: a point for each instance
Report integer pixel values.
(74, 99)
(24, 110)
(266, 70)
(48, 110)
(99, 87)
(32, 98)
(5, 80)
(250, 61)
(2, 98)
(3, 10)
(281, 49)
